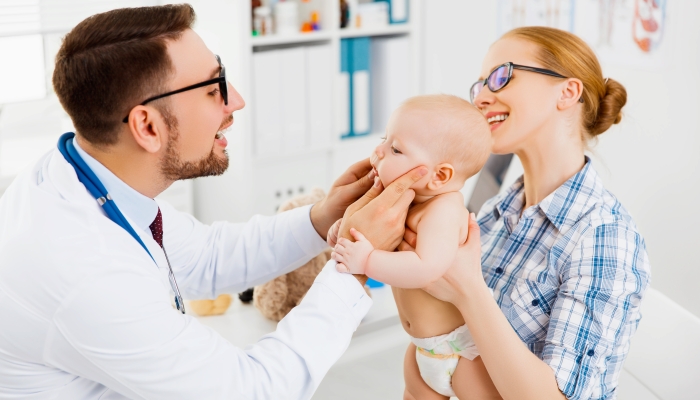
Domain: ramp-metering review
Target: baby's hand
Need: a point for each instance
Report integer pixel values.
(352, 256)
(332, 237)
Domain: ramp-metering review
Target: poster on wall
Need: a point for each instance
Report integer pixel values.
(553, 13)
(622, 32)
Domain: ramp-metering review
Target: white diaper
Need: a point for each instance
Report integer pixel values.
(437, 357)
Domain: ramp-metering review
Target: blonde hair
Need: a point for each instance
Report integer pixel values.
(569, 55)
(461, 136)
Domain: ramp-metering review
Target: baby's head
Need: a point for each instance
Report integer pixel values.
(443, 132)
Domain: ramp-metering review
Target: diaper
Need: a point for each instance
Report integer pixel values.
(437, 357)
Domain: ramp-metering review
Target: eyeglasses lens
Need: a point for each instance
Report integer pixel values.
(223, 86)
(498, 78)
(476, 89)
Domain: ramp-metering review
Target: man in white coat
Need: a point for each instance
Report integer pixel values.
(86, 304)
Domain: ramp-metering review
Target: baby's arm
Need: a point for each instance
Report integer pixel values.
(436, 246)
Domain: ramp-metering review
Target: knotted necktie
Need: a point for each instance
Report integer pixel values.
(157, 228)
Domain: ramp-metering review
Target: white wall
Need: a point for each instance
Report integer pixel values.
(649, 161)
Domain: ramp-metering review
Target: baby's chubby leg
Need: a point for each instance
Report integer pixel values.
(416, 388)
(471, 381)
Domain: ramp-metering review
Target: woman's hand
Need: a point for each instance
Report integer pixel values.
(381, 213)
(465, 271)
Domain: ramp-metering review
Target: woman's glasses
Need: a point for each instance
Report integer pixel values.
(501, 75)
(221, 80)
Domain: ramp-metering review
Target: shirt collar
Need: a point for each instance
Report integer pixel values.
(563, 207)
(566, 205)
(140, 209)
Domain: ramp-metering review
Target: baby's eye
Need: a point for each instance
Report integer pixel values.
(214, 92)
(383, 139)
(395, 150)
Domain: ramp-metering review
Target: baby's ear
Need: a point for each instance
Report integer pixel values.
(442, 175)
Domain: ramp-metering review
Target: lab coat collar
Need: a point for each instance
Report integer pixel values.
(139, 209)
(63, 178)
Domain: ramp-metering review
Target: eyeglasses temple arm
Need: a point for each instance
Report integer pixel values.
(538, 70)
(195, 86)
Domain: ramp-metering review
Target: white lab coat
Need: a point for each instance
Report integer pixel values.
(85, 313)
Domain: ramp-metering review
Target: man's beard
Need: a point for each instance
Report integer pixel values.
(174, 168)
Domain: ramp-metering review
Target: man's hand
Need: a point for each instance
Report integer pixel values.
(381, 213)
(345, 190)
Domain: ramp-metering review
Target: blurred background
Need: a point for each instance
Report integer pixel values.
(320, 78)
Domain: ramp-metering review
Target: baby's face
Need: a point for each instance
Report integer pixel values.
(402, 149)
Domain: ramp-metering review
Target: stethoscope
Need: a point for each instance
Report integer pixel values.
(97, 190)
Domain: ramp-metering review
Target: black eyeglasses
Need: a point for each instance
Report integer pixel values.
(221, 80)
(501, 75)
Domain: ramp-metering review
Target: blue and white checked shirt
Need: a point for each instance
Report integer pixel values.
(569, 275)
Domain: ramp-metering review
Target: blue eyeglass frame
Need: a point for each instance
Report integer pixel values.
(511, 66)
(221, 80)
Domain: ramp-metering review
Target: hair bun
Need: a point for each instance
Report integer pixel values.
(610, 109)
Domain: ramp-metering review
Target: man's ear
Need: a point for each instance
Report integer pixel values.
(442, 175)
(570, 94)
(147, 127)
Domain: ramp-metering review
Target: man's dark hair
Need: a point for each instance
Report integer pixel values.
(111, 62)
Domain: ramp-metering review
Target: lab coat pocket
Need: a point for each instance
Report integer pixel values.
(532, 304)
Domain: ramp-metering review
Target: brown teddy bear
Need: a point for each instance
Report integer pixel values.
(277, 297)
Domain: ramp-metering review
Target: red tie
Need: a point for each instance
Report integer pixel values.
(157, 229)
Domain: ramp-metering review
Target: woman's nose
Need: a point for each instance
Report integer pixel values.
(485, 98)
(235, 101)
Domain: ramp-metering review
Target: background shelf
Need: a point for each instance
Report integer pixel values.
(299, 38)
(397, 29)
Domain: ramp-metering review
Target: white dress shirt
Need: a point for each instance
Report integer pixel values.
(87, 314)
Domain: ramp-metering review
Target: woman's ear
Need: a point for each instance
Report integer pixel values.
(147, 128)
(570, 94)
(442, 175)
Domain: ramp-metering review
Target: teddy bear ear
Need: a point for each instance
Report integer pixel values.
(312, 197)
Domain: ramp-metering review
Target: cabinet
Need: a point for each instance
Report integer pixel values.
(274, 152)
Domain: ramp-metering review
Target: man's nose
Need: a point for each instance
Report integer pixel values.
(235, 101)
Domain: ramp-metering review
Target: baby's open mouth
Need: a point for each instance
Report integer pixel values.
(497, 118)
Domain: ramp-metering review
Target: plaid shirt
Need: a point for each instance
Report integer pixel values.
(569, 275)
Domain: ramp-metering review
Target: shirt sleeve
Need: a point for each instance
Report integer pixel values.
(596, 311)
(229, 257)
(118, 328)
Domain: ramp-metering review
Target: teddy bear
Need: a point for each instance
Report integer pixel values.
(277, 297)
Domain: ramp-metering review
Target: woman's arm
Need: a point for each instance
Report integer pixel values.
(516, 372)
(591, 323)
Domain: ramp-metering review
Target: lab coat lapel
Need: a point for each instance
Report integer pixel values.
(64, 179)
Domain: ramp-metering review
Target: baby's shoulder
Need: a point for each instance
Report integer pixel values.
(445, 206)
(451, 201)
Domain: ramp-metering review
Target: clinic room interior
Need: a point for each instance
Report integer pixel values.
(323, 82)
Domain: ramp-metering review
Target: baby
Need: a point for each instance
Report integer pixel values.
(450, 137)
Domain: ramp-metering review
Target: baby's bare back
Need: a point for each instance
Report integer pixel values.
(422, 315)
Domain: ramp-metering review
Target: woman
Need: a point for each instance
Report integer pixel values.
(567, 266)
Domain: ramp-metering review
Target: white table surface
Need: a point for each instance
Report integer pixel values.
(243, 325)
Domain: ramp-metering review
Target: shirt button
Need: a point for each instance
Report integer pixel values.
(591, 353)
(535, 302)
(499, 270)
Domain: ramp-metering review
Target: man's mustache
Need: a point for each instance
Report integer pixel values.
(226, 121)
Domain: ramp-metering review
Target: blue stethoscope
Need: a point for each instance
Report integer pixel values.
(98, 191)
